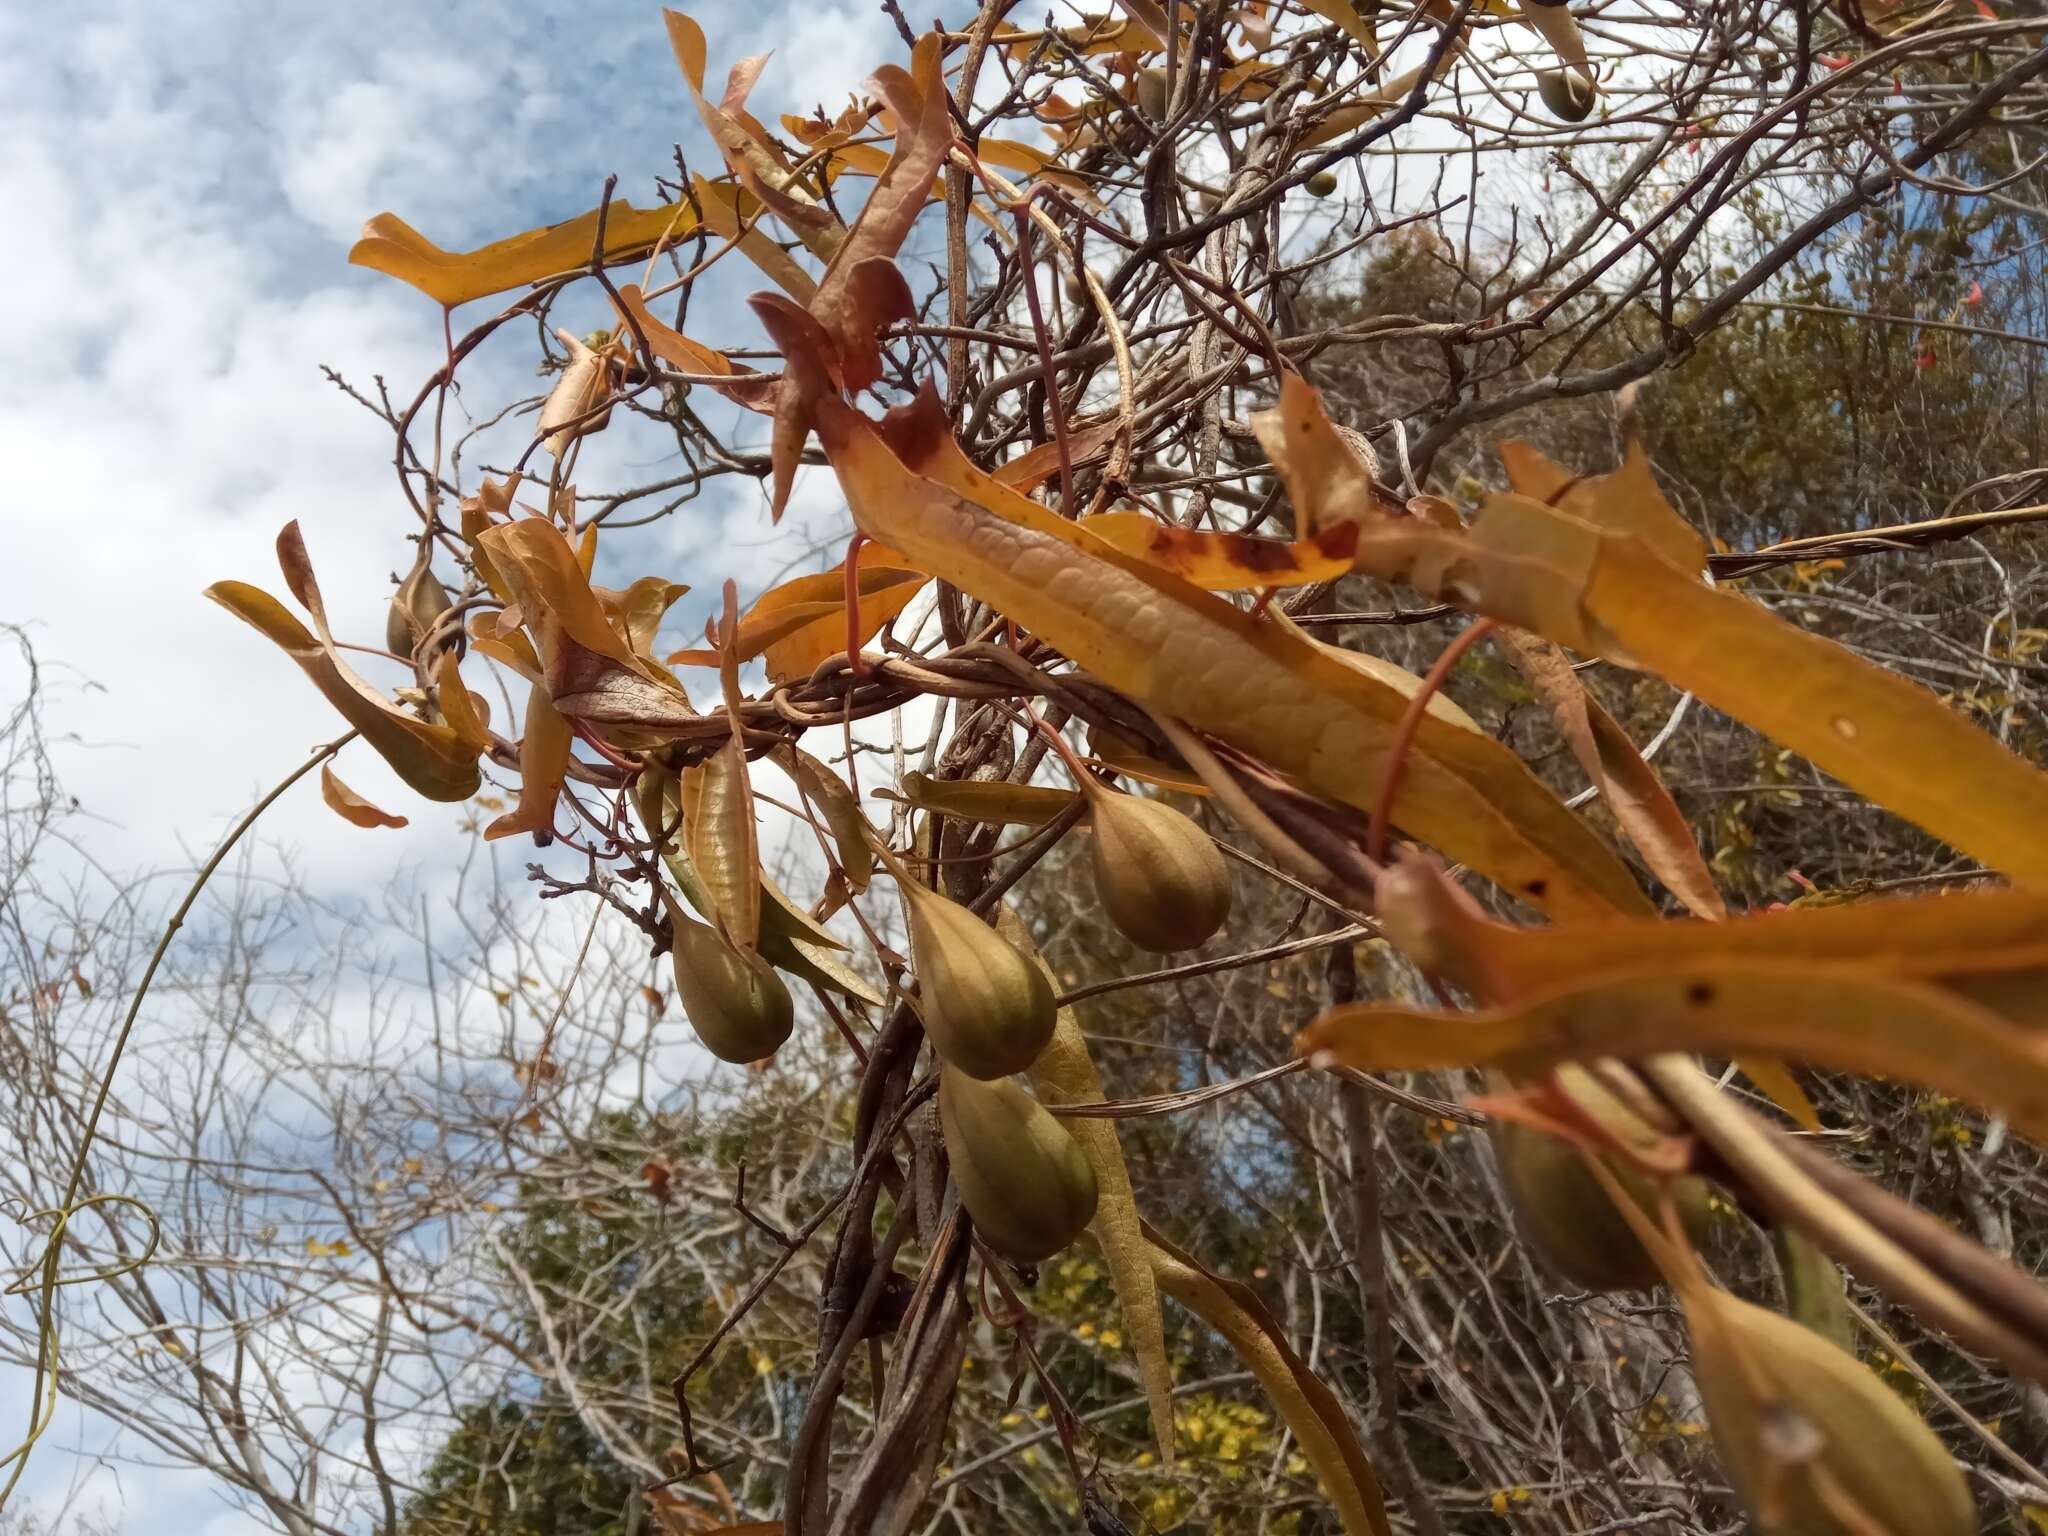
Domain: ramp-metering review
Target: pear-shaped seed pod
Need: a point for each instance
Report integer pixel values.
(987, 1008)
(1023, 1179)
(1151, 93)
(735, 1002)
(1812, 1441)
(415, 607)
(1563, 1209)
(1159, 875)
(1077, 290)
(1567, 94)
(1322, 184)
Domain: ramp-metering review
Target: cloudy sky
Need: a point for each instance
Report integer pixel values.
(181, 186)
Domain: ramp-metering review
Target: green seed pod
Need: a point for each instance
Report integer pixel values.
(1322, 184)
(987, 1009)
(1077, 290)
(415, 608)
(1159, 875)
(1150, 93)
(1567, 94)
(1561, 1205)
(1815, 1293)
(735, 1002)
(1023, 1179)
(1809, 1437)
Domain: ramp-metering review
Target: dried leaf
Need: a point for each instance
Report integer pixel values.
(1227, 562)
(1841, 1016)
(437, 759)
(848, 297)
(718, 809)
(1026, 805)
(1886, 737)
(1310, 1409)
(834, 799)
(799, 624)
(1354, 26)
(543, 764)
(1640, 802)
(591, 673)
(748, 151)
(1189, 654)
(585, 381)
(734, 214)
(672, 346)
(1033, 468)
(345, 803)
(636, 613)
(392, 246)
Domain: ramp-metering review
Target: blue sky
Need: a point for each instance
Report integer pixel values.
(181, 186)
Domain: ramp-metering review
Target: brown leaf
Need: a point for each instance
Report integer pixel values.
(544, 752)
(1228, 562)
(350, 806)
(847, 305)
(672, 346)
(591, 673)
(1032, 469)
(1027, 805)
(585, 381)
(833, 797)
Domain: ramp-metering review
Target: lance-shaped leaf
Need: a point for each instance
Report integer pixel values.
(1602, 579)
(636, 612)
(1033, 468)
(350, 806)
(747, 149)
(543, 764)
(718, 819)
(1328, 479)
(834, 799)
(1307, 1405)
(1026, 805)
(1354, 26)
(590, 671)
(735, 215)
(672, 346)
(1228, 562)
(1989, 946)
(438, 759)
(1886, 737)
(1641, 804)
(1064, 1074)
(852, 297)
(1187, 653)
(1847, 1017)
(797, 625)
(392, 246)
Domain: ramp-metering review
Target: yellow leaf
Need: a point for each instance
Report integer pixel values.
(350, 806)
(1028, 805)
(1833, 1015)
(672, 346)
(1309, 1407)
(718, 819)
(392, 246)
(543, 764)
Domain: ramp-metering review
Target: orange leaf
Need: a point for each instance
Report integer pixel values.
(1227, 562)
(392, 246)
(1190, 654)
(1031, 469)
(350, 806)
(672, 346)
(438, 759)
(543, 764)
